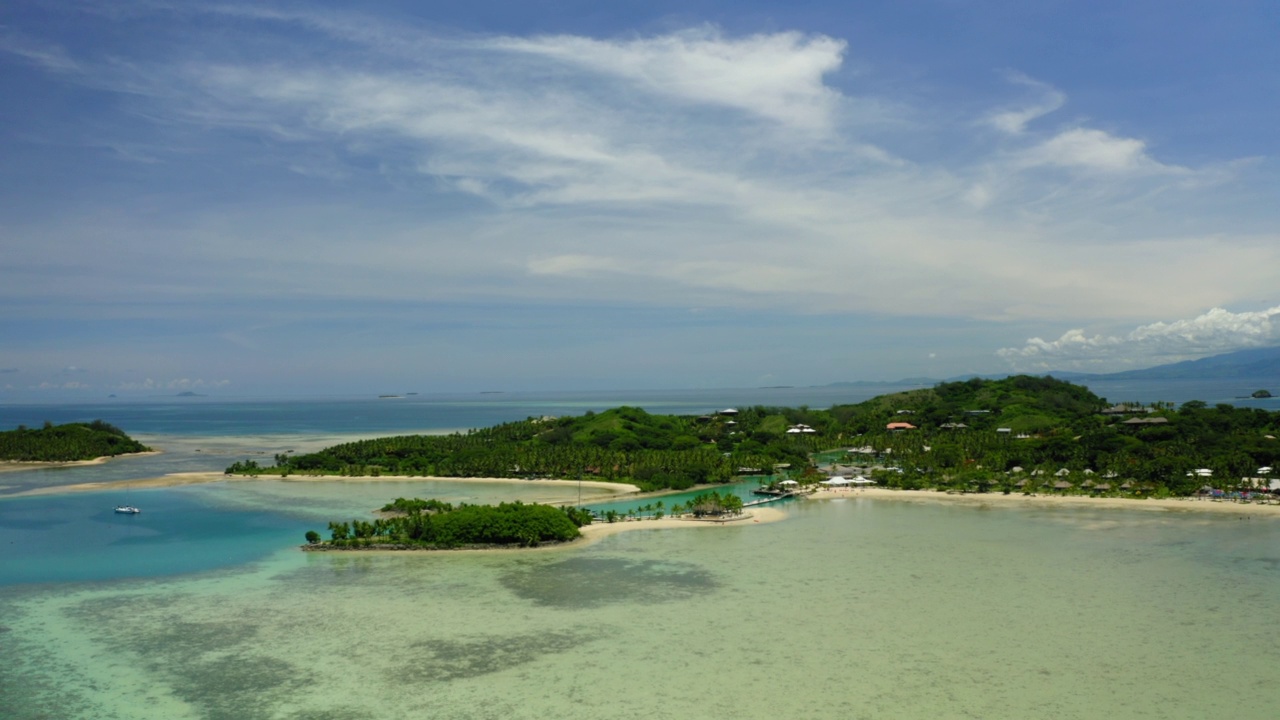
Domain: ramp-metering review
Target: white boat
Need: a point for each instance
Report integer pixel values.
(127, 509)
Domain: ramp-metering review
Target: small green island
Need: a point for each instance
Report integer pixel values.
(418, 524)
(70, 442)
(1261, 394)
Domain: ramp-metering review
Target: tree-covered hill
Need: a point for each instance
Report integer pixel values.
(1035, 433)
(1022, 403)
(64, 443)
(975, 434)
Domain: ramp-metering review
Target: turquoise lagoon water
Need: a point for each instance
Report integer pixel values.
(741, 489)
(79, 537)
(848, 608)
(202, 606)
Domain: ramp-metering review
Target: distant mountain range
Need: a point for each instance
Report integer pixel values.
(1242, 364)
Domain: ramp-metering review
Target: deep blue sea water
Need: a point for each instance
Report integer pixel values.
(374, 416)
(76, 538)
(216, 417)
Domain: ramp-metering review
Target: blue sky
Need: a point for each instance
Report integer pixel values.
(260, 198)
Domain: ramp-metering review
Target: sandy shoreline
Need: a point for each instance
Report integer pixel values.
(618, 490)
(19, 465)
(197, 478)
(753, 516)
(1059, 501)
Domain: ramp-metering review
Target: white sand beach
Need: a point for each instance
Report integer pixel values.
(196, 478)
(1018, 499)
(19, 465)
(753, 516)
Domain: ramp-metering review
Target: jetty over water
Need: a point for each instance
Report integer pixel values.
(769, 496)
(773, 497)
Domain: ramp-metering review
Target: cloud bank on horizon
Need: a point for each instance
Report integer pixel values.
(258, 174)
(1215, 332)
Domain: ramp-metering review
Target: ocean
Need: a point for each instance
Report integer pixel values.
(202, 606)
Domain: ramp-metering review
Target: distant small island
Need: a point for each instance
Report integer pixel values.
(67, 443)
(188, 393)
(1261, 394)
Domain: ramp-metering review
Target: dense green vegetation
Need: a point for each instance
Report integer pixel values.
(64, 443)
(436, 524)
(1019, 433)
(624, 445)
(714, 504)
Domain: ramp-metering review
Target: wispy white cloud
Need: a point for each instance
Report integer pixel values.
(69, 385)
(174, 384)
(1077, 146)
(777, 76)
(573, 265)
(1014, 121)
(49, 56)
(1213, 332)
(1089, 149)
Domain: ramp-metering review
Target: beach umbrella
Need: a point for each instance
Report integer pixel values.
(788, 482)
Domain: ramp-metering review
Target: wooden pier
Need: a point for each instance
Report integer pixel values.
(773, 496)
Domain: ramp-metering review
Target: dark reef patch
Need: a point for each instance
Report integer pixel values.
(445, 660)
(244, 686)
(220, 667)
(580, 582)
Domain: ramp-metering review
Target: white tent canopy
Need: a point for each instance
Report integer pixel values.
(788, 482)
(836, 481)
(862, 481)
